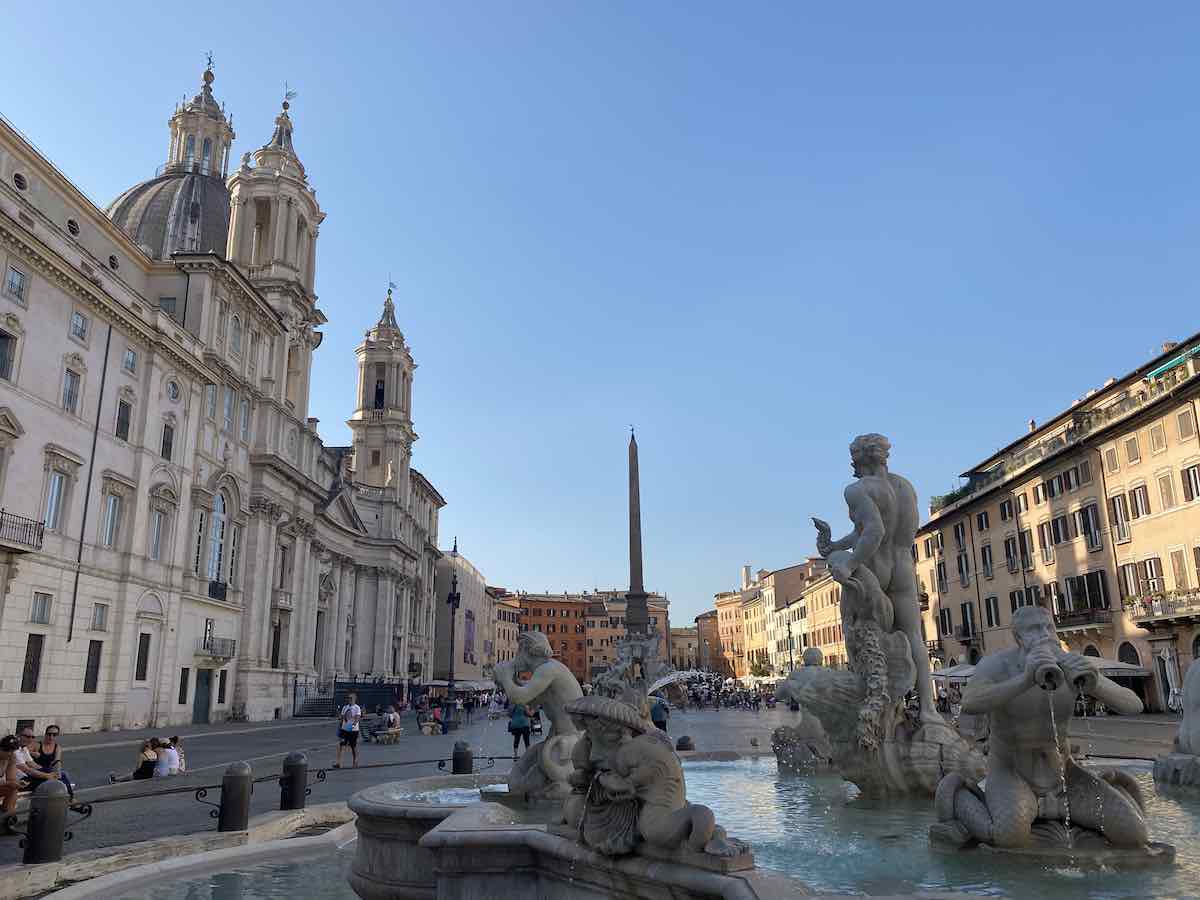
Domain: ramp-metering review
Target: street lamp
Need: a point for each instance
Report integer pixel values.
(791, 660)
(707, 661)
(453, 600)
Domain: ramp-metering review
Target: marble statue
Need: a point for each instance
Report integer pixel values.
(543, 773)
(1182, 767)
(861, 708)
(629, 789)
(1037, 794)
(803, 744)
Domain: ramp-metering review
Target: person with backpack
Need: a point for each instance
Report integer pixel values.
(518, 726)
(348, 724)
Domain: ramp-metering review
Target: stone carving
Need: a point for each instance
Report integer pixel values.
(629, 788)
(875, 745)
(1037, 795)
(543, 773)
(803, 745)
(1183, 766)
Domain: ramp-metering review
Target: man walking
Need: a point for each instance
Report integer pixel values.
(348, 725)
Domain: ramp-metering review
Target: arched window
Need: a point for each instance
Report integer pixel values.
(189, 151)
(1127, 653)
(1090, 650)
(235, 335)
(207, 157)
(216, 538)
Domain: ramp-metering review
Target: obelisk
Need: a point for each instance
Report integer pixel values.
(636, 618)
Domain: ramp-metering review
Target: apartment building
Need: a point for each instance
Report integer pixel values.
(563, 619)
(684, 648)
(731, 634)
(708, 642)
(1095, 515)
(787, 611)
(823, 598)
(606, 626)
(754, 631)
(507, 625)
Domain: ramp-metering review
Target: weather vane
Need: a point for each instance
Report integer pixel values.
(208, 57)
(288, 94)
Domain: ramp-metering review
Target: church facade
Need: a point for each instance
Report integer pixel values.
(177, 544)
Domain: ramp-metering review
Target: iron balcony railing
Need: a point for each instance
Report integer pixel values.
(934, 648)
(219, 648)
(189, 166)
(16, 529)
(1075, 617)
(1164, 607)
(966, 634)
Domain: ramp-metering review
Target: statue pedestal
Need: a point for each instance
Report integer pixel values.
(1090, 855)
(1178, 770)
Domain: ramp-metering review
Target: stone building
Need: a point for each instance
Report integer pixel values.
(786, 609)
(708, 643)
(754, 632)
(685, 654)
(731, 634)
(177, 543)
(1094, 514)
(508, 624)
(473, 622)
(606, 626)
(563, 619)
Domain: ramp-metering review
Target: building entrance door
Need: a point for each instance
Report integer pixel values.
(201, 704)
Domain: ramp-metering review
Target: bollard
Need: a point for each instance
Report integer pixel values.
(47, 823)
(236, 788)
(293, 786)
(462, 761)
(685, 743)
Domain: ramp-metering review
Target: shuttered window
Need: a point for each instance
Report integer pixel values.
(91, 675)
(143, 657)
(33, 663)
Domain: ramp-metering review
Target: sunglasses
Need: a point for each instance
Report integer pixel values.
(53, 733)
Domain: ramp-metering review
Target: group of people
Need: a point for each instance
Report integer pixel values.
(157, 758)
(26, 762)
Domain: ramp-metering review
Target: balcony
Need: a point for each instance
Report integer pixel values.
(216, 648)
(20, 533)
(1082, 619)
(967, 634)
(281, 599)
(217, 590)
(935, 650)
(1165, 610)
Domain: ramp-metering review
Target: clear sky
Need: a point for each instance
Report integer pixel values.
(754, 230)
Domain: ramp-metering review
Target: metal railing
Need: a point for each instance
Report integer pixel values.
(1164, 607)
(966, 634)
(1074, 617)
(217, 647)
(21, 530)
(188, 167)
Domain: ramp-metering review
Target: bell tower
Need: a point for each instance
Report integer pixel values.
(382, 421)
(273, 227)
(200, 134)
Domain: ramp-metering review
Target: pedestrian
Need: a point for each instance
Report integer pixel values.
(438, 719)
(142, 768)
(10, 776)
(469, 706)
(167, 758)
(47, 756)
(178, 745)
(348, 725)
(518, 726)
(659, 713)
(31, 773)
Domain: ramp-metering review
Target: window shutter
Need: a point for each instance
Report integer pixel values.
(1133, 505)
(1187, 486)
(1143, 577)
(1196, 557)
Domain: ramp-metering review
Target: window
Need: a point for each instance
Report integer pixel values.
(124, 413)
(168, 442)
(1154, 574)
(183, 685)
(235, 335)
(945, 621)
(981, 521)
(111, 522)
(173, 391)
(91, 675)
(33, 663)
(964, 569)
(1022, 502)
(1133, 453)
(991, 611)
(129, 360)
(39, 612)
(222, 680)
(1046, 541)
(375, 457)
(1085, 472)
(1088, 522)
(1070, 478)
(70, 394)
(985, 555)
(1110, 460)
(167, 305)
(227, 409)
(1191, 482)
(55, 489)
(1010, 553)
(8, 355)
(1185, 424)
(1158, 438)
(1025, 540)
(16, 284)
(1166, 491)
(1061, 530)
(19, 181)
(960, 535)
(1006, 510)
(1179, 570)
(235, 539)
(1196, 560)
(968, 617)
(1127, 580)
(941, 575)
(143, 657)
(245, 418)
(1139, 502)
(158, 523)
(928, 547)
(100, 617)
(210, 400)
(1120, 517)
(80, 325)
(1039, 493)
(1086, 591)
(216, 538)
(73, 227)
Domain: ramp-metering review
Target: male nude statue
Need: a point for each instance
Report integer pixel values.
(883, 508)
(1028, 762)
(545, 768)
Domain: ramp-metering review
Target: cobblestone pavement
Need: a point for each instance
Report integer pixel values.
(210, 750)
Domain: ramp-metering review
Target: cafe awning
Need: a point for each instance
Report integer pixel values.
(1115, 669)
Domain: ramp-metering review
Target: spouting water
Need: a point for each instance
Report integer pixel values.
(1062, 771)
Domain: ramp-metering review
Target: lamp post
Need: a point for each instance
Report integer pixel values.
(452, 600)
(707, 667)
(791, 660)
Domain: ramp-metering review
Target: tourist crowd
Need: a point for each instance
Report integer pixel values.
(26, 762)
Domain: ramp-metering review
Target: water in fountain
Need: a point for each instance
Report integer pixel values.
(1062, 771)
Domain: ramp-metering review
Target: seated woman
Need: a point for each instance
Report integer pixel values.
(143, 767)
(10, 777)
(47, 756)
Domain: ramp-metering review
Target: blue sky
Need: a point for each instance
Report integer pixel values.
(754, 230)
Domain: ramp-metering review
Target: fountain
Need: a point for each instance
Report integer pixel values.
(1182, 768)
(874, 742)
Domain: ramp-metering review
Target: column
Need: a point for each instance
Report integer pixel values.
(310, 270)
(360, 653)
(345, 597)
(291, 659)
(383, 622)
(256, 587)
(278, 216)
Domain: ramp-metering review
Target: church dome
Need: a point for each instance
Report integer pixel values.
(185, 207)
(175, 212)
